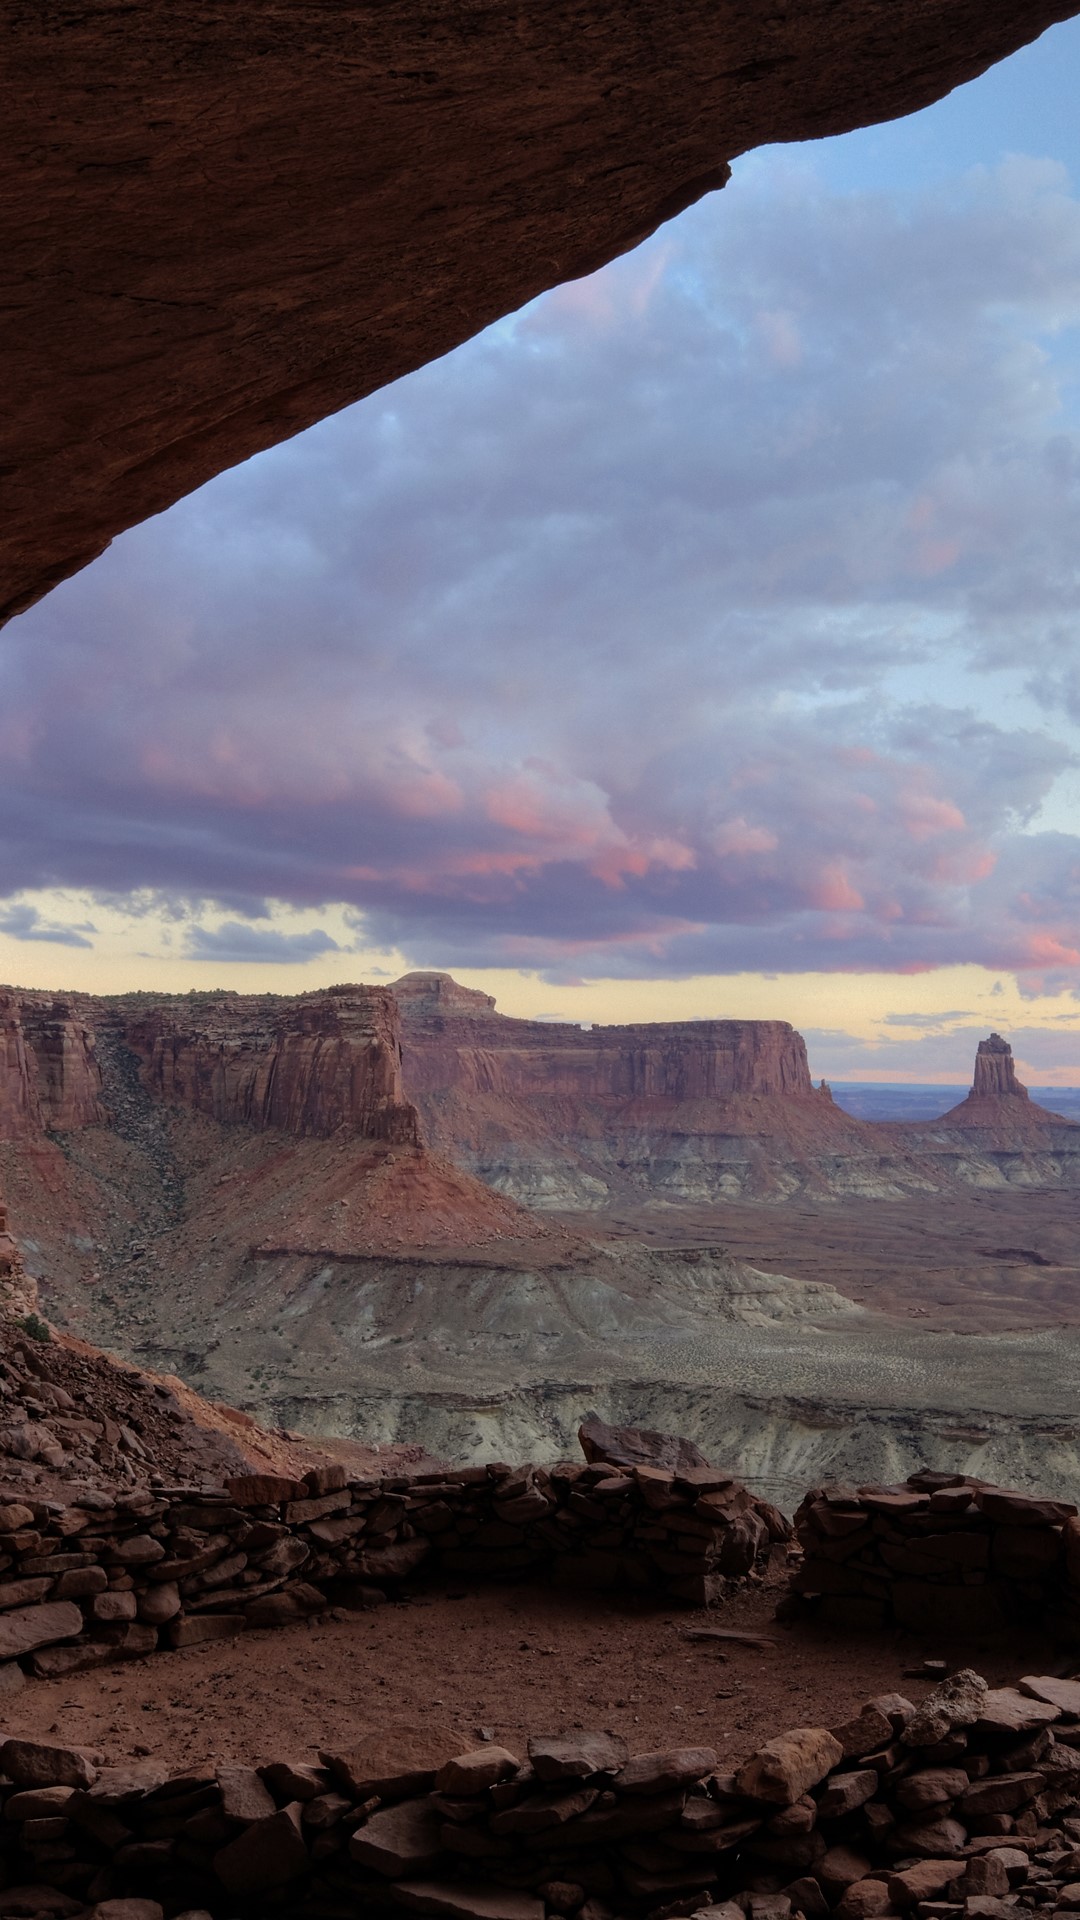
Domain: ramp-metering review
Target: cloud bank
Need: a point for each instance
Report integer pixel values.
(659, 631)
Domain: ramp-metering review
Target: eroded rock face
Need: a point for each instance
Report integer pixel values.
(315, 1065)
(319, 1064)
(49, 1078)
(453, 1038)
(995, 1072)
(999, 1111)
(563, 1116)
(223, 224)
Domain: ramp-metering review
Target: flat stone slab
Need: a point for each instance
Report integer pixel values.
(25, 1628)
(1064, 1694)
(460, 1901)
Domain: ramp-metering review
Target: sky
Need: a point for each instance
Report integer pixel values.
(697, 642)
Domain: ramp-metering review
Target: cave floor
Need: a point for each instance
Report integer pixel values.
(499, 1662)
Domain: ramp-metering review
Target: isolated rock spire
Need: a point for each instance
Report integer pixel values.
(995, 1070)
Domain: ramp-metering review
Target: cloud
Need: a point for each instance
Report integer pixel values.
(21, 922)
(929, 1022)
(579, 650)
(236, 941)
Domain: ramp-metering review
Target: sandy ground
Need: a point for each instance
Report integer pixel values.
(506, 1661)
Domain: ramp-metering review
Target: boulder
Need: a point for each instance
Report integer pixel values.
(473, 1772)
(32, 1763)
(264, 1489)
(923, 1881)
(393, 1761)
(24, 1628)
(398, 1840)
(843, 1792)
(243, 1795)
(785, 1767)
(1005, 1710)
(265, 1856)
(636, 1446)
(957, 1702)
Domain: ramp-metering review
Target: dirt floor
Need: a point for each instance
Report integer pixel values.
(500, 1662)
(972, 1262)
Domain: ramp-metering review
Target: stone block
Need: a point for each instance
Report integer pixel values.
(786, 1767)
(574, 1756)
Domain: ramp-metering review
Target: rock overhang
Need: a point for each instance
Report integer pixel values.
(223, 225)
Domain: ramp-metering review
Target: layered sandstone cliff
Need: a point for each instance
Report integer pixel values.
(314, 1065)
(49, 1077)
(255, 214)
(995, 1070)
(561, 1115)
(319, 1064)
(453, 1039)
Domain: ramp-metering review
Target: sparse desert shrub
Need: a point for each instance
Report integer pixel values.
(35, 1326)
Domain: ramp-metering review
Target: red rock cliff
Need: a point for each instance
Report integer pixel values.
(49, 1078)
(317, 1064)
(454, 1039)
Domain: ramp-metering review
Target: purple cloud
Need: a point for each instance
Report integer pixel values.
(22, 922)
(579, 649)
(236, 940)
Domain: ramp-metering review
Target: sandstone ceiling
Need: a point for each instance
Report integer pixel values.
(223, 222)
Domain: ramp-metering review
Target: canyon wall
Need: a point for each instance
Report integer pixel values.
(318, 1064)
(454, 1040)
(315, 1065)
(49, 1076)
(561, 1116)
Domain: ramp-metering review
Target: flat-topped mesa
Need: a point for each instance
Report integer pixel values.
(319, 1064)
(49, 1077)
(454, 1040)
(563, 1114)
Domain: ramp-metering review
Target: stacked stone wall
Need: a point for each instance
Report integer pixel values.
(116, 1576)
(943, 1554)
(963, 1808)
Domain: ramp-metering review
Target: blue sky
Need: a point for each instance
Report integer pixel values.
(704, 633)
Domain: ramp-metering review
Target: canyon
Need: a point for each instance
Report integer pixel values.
(564, 1118)
(314, 1208)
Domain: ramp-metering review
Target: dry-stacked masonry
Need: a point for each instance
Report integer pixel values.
(944, 1553)
(967, 1807)
(116, 1575)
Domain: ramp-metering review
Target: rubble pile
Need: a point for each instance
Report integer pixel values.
(965, 1808)
(115, 1575)
(942, 1553)
(74, 1421)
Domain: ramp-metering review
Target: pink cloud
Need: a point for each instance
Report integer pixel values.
(833, 892)
(739, 837)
